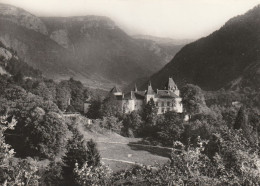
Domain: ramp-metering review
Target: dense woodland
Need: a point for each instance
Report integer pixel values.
(218, 145)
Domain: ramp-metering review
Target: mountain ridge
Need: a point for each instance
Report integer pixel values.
(92, 49)
(214, 61)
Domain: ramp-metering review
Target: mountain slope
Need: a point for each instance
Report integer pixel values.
(91, 48)
(216, 60)
(102, 47)
(12, 65)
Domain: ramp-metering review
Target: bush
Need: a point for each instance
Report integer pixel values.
(15, 171)
(92, 175)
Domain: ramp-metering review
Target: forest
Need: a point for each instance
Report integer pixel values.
(217, 145)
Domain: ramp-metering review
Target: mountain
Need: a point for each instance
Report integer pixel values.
(164, 40)
(12, 65)
(229, 57)
(90, 48)
(167, 48)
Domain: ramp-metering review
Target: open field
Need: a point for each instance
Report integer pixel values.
(120, 153)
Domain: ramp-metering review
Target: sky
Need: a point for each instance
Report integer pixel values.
(178, 19)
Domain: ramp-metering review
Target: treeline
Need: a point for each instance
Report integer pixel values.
(39, 145)
(204, 113)
(215, 141)
(217, 144)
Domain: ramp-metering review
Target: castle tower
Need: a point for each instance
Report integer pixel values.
(136, 88)
(149, 93)
(116, 91)
(171, 86)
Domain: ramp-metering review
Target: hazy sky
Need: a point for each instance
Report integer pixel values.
(166, 18)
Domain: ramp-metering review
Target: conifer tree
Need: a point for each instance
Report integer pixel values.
(241, 119)
(94, 111)
(93, 156)
(76, 153)
(149, 113)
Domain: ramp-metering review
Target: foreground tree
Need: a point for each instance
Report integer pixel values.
(41, 130)
(93, 156)
(93, 175)
(78, 153)
(149, 113)
(94, 111)
(131, 124)
(192, 99)
(14, 171)
(171, 128)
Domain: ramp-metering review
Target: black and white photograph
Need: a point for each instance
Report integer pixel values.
(129, 92)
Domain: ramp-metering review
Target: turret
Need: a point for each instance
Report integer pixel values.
(172, 86)
(136, 88)
(116, 91)
(149, 93)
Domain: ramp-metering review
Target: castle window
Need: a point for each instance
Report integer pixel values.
(168, 103)
(157, 104)
(162, 104)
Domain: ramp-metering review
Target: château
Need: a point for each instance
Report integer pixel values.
(165, 100)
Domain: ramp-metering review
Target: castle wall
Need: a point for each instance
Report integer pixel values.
(163, 105)
(178, 105)
(149, 97)
(128, 106)
(139, 104)
(163, 102)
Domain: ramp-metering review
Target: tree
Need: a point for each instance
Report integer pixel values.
(192, 99)
(18, 78)
(52, 174)
(111, 107)
(63, 95)
(131, 124)
(149, 118)
(241, 119)
(41, 130)
(94, 111)
(40, 89)
(111, 123)
(89, 175)
(93, 156)
(78, 153)
(171, 128)
(14, 171)
(77, 94)
(235, 159)
(149, 113)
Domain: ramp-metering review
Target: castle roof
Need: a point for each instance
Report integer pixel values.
(165, 94)
(115, 89)
(170, 84)
(150, 89)
(136, 88)
(135, 95)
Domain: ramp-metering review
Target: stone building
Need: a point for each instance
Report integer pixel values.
(165, 100)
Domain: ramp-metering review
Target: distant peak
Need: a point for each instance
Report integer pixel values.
(21, 17)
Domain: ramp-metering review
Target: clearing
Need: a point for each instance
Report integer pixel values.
(120, 153)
